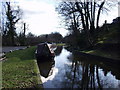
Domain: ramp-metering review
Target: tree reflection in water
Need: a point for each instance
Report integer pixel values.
(86, 73)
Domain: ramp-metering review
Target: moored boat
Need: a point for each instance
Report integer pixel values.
(45, 50)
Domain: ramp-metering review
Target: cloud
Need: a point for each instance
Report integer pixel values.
(40, 15)
(29, 12)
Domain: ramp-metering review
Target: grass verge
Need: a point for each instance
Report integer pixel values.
(60, 44)
(112, 55)
(20, 70)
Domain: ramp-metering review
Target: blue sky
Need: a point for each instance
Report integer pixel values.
(41, 17)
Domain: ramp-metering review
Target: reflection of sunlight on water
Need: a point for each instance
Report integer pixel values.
(62, 59)
(51, 77)
(68, 63)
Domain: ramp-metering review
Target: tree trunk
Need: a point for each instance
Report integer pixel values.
(24, 33)
(98, 15)
(88, 41)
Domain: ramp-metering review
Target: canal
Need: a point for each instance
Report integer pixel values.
(70, 70)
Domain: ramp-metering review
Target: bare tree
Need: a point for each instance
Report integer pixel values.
(71, 18)
(87, 14)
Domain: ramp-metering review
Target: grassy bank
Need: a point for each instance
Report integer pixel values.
(60, 44)
(103, 53)
(20, 69)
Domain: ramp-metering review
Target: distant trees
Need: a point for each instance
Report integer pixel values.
(22, 35)
(31, 39)
(54, 37)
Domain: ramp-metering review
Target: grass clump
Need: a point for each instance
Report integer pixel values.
(20, 69)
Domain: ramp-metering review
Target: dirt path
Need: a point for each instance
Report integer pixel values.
(7, 49)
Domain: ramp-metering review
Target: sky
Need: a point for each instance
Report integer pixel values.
(41, 17)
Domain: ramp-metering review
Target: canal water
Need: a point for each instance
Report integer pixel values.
(68, 70)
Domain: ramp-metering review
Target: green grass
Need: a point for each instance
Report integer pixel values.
(60, 44)
(20, 70)
(111, 36)
(113, 55)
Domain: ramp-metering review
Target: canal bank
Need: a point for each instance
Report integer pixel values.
(110, 57)
(110, 61)
(20, 70)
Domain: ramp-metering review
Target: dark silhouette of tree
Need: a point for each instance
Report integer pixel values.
(31, 39)
(83, 17)
(55, 37)
(46, 37)
(71, 20)
(13, 15)
(22, 35)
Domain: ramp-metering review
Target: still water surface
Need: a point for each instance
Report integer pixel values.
(68, 70)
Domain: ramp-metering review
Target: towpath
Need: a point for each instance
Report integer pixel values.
(8, 49)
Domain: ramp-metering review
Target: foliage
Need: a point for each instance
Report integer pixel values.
(55, 37)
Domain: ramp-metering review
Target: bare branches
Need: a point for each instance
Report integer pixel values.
(85, 14)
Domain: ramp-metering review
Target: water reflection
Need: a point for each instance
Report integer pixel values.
(46, 67)
(58, 50)
(74, 71)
